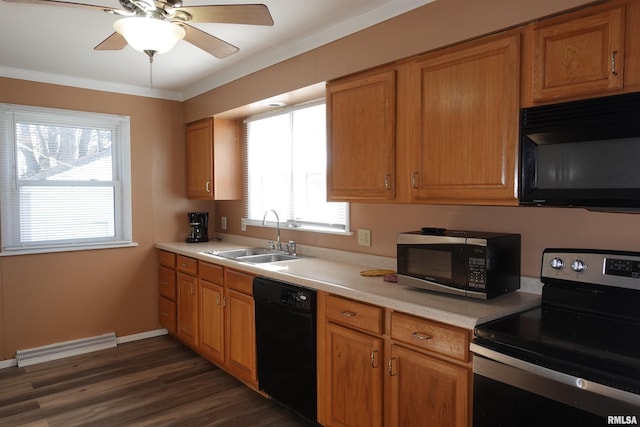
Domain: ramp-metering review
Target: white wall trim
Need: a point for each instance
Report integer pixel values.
(141, 336)
(11, 363)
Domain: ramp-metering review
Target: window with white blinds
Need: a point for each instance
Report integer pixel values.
(286, 171)
(65, 180)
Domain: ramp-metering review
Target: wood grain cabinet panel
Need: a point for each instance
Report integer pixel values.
(211, 317)
(167, 283)
(354, 381)
(187, 306)
(361, 140)
(167, 309)
(425, 391)
(466, 106)
(579, 54)
(214, 160)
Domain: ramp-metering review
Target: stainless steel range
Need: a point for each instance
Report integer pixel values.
(575, 360)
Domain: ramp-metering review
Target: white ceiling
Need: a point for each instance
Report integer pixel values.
(55, 44)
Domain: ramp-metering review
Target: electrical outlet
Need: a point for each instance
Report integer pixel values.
(364, 237)
(243, 224)
(223, 223)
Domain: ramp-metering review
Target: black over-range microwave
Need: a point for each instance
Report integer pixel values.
(582, 153)
(473, 264)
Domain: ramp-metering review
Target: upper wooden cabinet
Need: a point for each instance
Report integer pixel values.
(214, 165)
(361, 123)
(578, 54)
(465, 108)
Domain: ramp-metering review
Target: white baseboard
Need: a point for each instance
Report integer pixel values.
(141, 336)
(11, 363)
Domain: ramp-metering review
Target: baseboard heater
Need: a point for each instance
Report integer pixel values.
(65, 349)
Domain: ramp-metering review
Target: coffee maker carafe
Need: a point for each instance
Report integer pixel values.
(198, 223)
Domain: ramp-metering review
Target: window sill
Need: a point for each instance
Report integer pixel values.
(291, 227)
(69, 248)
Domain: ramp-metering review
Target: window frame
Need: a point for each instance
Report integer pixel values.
(119, 125)
(270, 218)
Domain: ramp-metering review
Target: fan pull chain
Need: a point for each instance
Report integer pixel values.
(150, 54)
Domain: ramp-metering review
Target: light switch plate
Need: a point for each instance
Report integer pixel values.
(243, 224)
(364, 237)
(223, 223)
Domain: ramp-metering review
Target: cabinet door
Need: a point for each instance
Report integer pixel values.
(188, 309)
(240, 345)
(578, 54)
(211, 342)
(167, 310)
(361, 115)
(467, 105)
(425, 391)
(354, 378)
(199, 141)
(167, 283)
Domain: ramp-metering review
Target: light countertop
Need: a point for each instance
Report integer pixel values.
(344, 279)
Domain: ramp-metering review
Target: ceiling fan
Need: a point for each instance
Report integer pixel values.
(162, 23)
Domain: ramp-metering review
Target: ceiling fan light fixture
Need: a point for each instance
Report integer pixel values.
(149, 34)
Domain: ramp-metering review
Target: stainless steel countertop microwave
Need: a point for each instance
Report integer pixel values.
(479, 265)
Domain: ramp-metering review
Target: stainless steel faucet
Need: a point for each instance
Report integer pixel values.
(278, 243)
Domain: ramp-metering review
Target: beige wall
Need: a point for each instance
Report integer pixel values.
(57, 297)
(51, 298)
(438, 24)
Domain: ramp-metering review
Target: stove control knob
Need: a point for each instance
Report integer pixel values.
(557, 263)
(578, 266)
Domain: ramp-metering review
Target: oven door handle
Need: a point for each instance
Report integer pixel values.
(549, 383)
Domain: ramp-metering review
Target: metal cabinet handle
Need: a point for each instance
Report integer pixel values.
(208, 186)
(217, 299)
(614, 71)
(387, 179)
(348, 313)
(414, 180)
(374, 363)
(391, 363)
(421, 337)
(164, 283)
(164, 314)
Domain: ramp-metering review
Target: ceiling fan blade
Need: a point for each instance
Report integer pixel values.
(251, 14)
(115, 41)
(208, 43)
(69, 4)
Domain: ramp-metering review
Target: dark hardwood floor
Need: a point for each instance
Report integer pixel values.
(152, 382)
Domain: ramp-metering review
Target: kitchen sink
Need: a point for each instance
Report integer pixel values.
(237, 253)
(268, 257)
(254, 255)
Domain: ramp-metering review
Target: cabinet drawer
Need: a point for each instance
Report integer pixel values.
(238, 281)
(429, 335)
(355, 314)
(168, 315)
(211, 273)
(167, 285)
(167, 259)
(187, 265)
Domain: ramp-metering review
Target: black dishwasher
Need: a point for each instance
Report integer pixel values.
(286, 344)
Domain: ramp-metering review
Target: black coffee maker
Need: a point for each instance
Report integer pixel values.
(198, 223)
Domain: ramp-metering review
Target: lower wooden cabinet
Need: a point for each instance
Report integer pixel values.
(187, 307)
(354, 380)
(413, 372)
(425, 391)
(240, 341)
(212, 311)
(211, 321)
